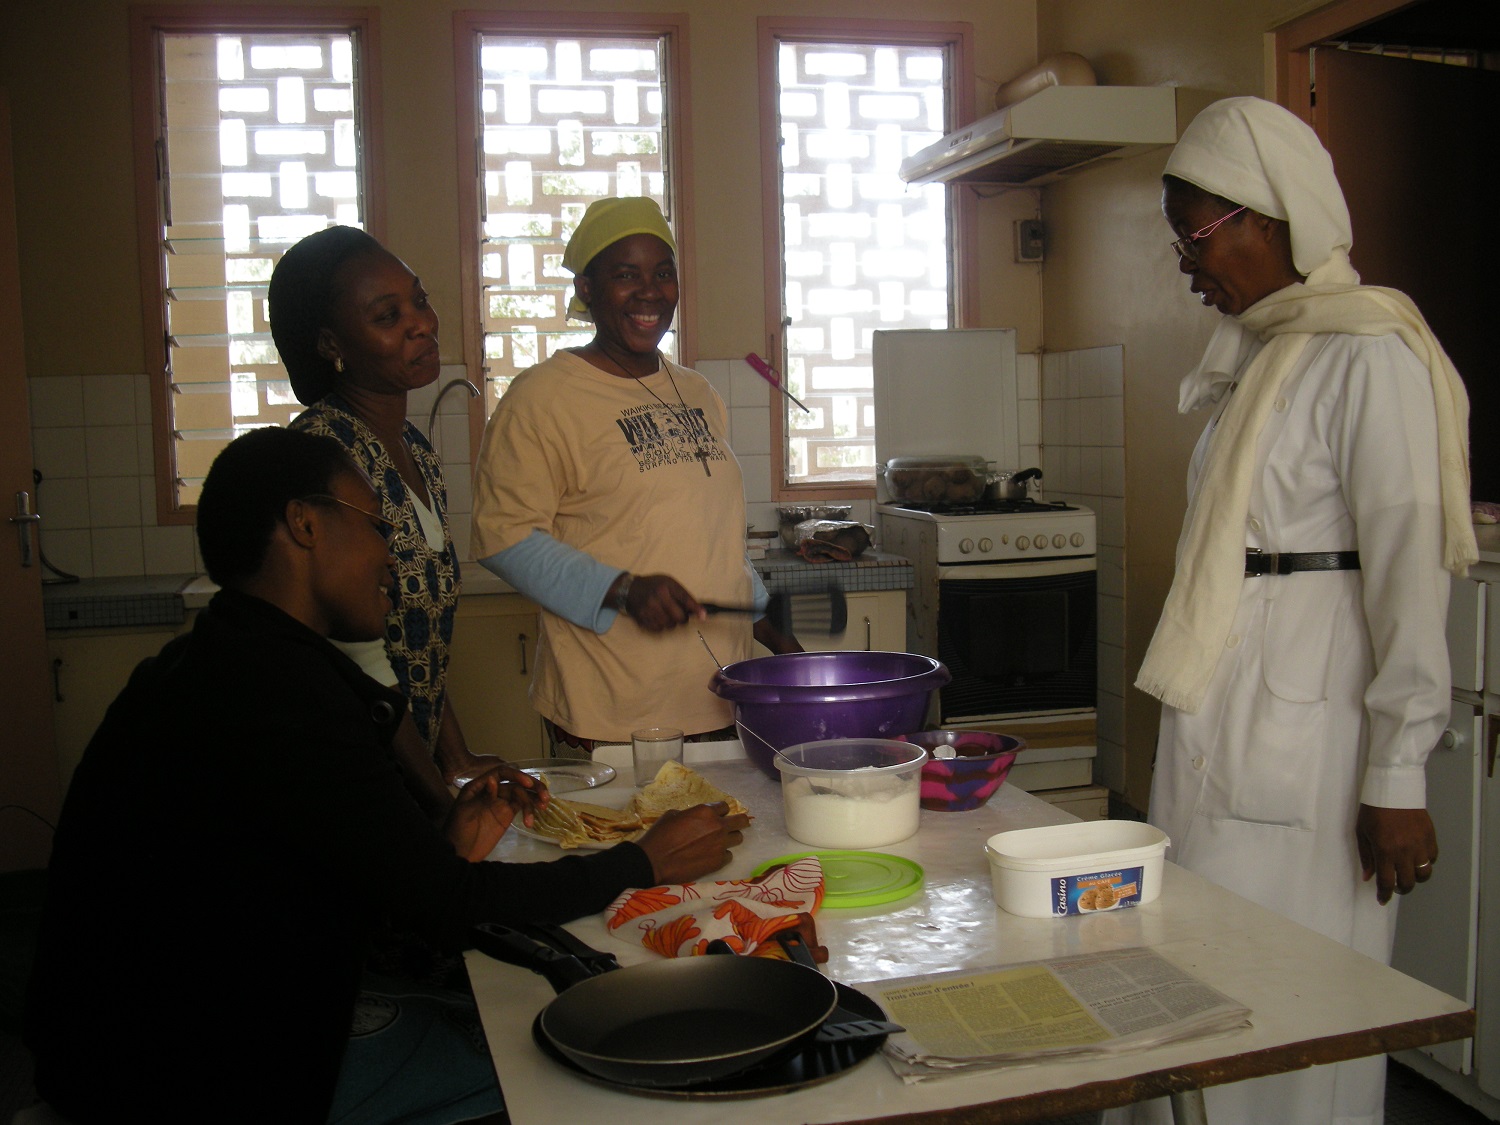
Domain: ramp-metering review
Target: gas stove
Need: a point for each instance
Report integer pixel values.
(991, 531)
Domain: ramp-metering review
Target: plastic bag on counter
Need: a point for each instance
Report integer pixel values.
(833, 540)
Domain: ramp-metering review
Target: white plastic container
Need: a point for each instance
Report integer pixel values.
(1078, 868)
(851, 793)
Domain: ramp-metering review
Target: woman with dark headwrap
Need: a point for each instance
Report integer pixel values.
(357, 334)
(1300, 655)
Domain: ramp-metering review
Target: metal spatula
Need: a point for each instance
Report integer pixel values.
(823, 613)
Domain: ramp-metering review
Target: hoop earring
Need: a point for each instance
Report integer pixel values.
(338, 364)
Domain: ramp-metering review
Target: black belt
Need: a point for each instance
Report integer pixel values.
(1258, 562)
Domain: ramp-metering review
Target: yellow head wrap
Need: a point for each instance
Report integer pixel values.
(603, 224)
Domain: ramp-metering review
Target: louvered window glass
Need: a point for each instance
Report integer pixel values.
(564, 120)
(258, 144)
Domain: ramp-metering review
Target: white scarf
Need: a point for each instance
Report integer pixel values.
(1294, 178)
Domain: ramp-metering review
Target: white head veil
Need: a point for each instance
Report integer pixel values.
(1256, 153)
(1259, 154)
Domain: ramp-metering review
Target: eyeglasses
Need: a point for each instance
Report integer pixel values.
(1184, 246)
(382, 525)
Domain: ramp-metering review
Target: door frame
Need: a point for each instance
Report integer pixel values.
(1295, 39)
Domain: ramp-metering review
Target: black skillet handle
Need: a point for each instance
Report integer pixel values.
(558, 938)
(562, 970)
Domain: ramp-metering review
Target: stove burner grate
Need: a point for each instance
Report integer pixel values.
(989, 507)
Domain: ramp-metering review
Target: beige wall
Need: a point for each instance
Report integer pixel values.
(1112, 279)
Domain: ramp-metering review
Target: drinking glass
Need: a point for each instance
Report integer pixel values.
(651, 747)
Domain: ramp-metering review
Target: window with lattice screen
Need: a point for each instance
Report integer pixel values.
(564, 119)
(257, 143)
(858, 249)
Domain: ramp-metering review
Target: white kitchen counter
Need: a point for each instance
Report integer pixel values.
(1313, 1000)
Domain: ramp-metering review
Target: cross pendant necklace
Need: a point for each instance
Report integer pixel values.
(699, 453)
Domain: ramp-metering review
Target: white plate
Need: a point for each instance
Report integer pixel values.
(564, 775)
(613, 798)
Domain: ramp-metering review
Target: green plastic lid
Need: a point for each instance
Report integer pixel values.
(859, 878)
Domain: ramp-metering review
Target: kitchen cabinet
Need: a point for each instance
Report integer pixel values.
(89, 667)
(877, 623)
(1448, 933)
(492, 656)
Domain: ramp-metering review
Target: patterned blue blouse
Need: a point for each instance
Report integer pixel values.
(420, 628)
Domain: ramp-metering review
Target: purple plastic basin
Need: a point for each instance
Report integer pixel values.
(969, 778)
(780, 701)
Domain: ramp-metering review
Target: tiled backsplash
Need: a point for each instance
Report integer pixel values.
(91, 440)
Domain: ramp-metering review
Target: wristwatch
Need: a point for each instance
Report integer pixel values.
(622, 596)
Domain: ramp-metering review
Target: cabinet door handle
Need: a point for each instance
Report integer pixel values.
(57, 679)
(1491, 739)
(522, 638)
(869, 634)
(25, 520)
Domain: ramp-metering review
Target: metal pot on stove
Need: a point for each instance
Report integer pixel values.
(1010, 485)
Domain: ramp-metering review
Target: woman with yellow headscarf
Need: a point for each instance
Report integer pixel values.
(607, 493)
(1300, 657)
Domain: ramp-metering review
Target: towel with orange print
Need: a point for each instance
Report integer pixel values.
(680, 920)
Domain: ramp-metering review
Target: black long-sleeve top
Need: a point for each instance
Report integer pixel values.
(234, 832)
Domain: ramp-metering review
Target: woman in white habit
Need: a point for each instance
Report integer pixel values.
(1300, 655)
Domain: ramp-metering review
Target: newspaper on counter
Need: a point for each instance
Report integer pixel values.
(1088, 1005)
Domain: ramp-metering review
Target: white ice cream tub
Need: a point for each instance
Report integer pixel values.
(1080, 868)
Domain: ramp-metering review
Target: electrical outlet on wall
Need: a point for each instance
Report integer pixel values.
(1030, 240)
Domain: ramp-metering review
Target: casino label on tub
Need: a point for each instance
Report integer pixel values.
(1103, 890)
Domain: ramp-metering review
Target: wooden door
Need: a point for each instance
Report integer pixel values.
(1411, 142)
(28, 763)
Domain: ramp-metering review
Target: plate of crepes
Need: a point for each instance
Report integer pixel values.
(594, 827)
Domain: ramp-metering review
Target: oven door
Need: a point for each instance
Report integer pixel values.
(1020, 638)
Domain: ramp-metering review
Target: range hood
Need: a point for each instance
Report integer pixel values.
(1056, 131)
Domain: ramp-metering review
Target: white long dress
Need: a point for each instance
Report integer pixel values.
(1331, 691)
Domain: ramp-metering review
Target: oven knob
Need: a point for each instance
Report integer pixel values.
(1076, 539)
(986, 545)
(1059, 540)
(966, 546)
(1022, 542)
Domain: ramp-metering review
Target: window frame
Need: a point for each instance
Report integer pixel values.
(469, 27)
(957, 39)
(146, 24)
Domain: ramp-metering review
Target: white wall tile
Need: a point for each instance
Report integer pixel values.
(115, 502)
(1112, 620)
(746, 388)
(1028, 422)
(111, 451)
(142, 384)
(1112, 470)
(148, 502)
(750, 430)
(63, 502)
(145, 450)
(117, 552)
(757, 474)
(168, 550)
(1111, 573)
(108, 400)
(56, 400)
(460, 488)
(59, 451)
(71, 551)
(1111, 521)
(461, 528)
(762, 516)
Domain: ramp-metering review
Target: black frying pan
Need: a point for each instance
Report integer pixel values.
(670, 1023)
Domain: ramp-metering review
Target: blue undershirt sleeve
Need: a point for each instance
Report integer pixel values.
(561, 579)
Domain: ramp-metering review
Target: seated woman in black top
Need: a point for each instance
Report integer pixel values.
(238, 826)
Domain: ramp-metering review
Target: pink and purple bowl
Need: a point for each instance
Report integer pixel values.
(969, 778)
